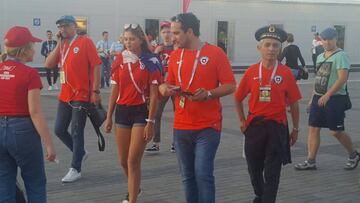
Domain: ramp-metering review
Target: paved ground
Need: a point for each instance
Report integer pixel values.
(104, 181)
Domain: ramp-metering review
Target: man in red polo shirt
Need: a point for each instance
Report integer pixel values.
(267, 142)
(199, 74)
(79, 78)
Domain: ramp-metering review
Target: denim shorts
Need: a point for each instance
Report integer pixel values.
(330, 116)
(129, 116)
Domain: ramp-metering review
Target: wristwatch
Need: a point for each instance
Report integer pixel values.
(96, 91)
(209, 95)
(150, 120)
(296, 129)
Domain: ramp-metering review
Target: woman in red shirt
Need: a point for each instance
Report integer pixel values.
(136, 76)
(22, 123)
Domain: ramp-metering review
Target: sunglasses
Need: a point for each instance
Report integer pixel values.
(65, 25)
(178, 18)
(132, 26)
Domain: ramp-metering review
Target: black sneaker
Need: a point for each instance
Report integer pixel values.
(154, 149)
(172, 149)
(352, 163)
(126, 200)
(305, 166)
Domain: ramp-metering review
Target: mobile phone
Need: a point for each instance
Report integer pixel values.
(186, 93)
(176, 89)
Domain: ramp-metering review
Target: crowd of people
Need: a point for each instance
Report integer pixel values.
(143, 77)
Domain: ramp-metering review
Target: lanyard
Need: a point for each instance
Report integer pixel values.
(133, 80)
(194, 66)
(63, 57)
(272, 74)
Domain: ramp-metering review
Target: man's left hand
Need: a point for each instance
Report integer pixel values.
(293, 137)
(323, 100)
(95, 98)
(199, 95)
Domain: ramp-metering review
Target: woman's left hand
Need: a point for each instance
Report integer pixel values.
(149, 132)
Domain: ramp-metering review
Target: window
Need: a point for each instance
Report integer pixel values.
(82, 24)
(341, 35)
(152, 31)
(222, 35)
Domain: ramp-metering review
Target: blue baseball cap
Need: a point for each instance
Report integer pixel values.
(329, 34)
(66, 19)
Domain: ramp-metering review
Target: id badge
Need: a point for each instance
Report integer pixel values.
(265, 94)
(62, 77)
(182, 102)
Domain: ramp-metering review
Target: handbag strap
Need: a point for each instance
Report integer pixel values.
(318, 67)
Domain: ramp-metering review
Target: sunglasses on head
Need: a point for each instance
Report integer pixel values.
(132, 26)
(178, 18)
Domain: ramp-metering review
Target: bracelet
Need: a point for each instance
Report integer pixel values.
(150, 120)
(296, 129)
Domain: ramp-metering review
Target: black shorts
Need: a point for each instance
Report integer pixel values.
(129, 116)
(330, 116)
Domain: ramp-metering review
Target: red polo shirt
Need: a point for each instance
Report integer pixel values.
(213, 68)
(284, 90)
(128, 94)
(16, 80)
(79, 70)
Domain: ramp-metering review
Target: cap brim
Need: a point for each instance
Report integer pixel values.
(34, 39)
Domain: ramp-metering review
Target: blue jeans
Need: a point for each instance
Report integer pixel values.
(195, 151)
(74, 113)
(20, 146)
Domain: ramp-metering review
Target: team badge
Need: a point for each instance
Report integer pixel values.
(278, 79)
(76, 50)
(142, 66)
(204, 60)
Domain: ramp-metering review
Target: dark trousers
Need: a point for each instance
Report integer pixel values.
(74, 113)
(263, 156)
(159, 112)
(105, 72)
(55, 75)
(314, 57)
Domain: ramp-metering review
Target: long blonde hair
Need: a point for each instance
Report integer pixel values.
(16, 52)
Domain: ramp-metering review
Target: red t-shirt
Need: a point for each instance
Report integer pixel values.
(165, 55)
(128, 94)
(16, 79)
(213, 68)
(79, 70)
(283, 90)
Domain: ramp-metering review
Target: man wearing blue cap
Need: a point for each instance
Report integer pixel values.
(330, 101)
(80, 83)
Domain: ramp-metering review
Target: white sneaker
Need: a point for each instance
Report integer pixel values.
(55, 86)
(72, 176)
(50, 88)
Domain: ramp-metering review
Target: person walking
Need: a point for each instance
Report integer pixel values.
(134, 96)
(80, 83)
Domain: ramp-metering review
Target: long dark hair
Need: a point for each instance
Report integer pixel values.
(139, 33)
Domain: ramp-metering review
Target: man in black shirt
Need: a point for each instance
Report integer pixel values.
(46, 48)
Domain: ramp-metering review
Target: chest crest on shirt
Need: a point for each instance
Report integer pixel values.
(204, 60)
(76, 50)
(278, 79)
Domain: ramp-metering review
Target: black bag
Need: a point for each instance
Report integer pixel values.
(347, 104)
(97, 115)
(303, 74)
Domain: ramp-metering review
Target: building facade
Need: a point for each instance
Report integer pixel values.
(228, 23)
